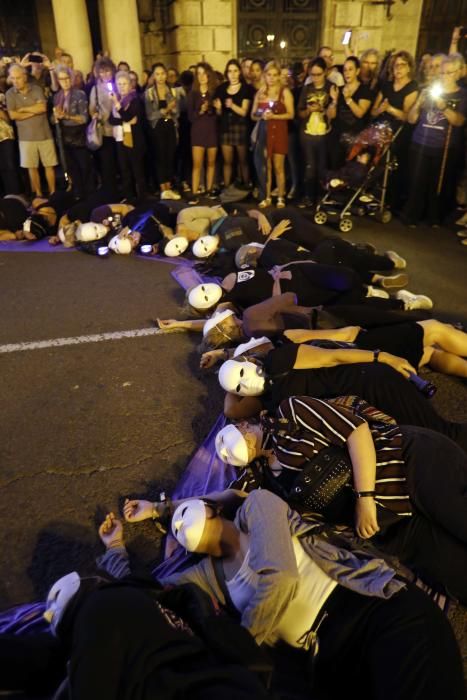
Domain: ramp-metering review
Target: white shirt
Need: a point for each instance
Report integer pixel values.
(313, 590)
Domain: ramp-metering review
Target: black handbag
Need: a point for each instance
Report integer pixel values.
(74, 136)
(324, 486)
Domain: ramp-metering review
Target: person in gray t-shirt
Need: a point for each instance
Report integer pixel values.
(27, 106)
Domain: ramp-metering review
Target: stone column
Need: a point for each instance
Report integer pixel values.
(122, 32)
(73, 35)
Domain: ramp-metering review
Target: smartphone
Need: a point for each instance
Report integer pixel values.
(110, 86)
(347, 37)
(35, 58)
(162, 104)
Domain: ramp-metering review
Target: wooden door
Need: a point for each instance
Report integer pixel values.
(439, 17)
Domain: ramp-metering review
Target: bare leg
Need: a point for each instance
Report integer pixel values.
(447, 363)
(268, 177)
(211, 168)
(198, 157)
(50, 177)
(35, 181)
(445, 336)
(227, 155)
(279, 162)
(244, 170)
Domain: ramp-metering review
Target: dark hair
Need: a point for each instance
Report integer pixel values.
(105, 63)
(244, 60)
(186, 79)
(233, 62)
(212, 78)
(259, 61)
(354, 60)
(158, 65)
(123, 63)
(318, 61)
(321, 48)
(408, 58)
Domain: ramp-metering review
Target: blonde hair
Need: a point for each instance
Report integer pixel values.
(222, 334)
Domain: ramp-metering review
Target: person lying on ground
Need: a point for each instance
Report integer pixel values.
(287, 581)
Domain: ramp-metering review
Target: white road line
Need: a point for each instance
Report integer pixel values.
(78, 340)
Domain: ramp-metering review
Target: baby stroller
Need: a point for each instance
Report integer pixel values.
(360, 187)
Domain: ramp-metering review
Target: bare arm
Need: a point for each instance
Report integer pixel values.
(38, 108)
(189, 325)
(237, 407)
(358, 109)
(309, 357)
(301, 335)
(363, 457)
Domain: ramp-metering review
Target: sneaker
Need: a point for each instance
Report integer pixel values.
(292, 193)
(185, 186)
(399, 263)
(462, 234)
(280, 204)
(265, 203)
(395, 281)
(201, 189)
(255, 193)
(170, 194)
(305, 203)
(194, 200)
(275, 192)
(414, 301)
(214, 193)
(374, 292)
(463, 241)
(463, 220)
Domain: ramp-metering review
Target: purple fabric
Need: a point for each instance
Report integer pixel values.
(32, 247)
(204, 473)
(24, 619)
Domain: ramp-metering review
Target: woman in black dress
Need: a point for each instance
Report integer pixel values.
(232, 104)
(202, 116)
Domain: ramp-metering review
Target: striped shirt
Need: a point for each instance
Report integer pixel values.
(311, 425)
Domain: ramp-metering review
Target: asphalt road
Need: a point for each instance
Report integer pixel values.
(84, 426)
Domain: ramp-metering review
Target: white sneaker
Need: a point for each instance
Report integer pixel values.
(373, 292)
(170, 194)
(463, 220)
(462, 234)
(275, 192)
(414, 301)
(399, 263)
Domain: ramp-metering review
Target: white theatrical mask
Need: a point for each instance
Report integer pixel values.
(231, 447)
(188, 523)
(85, 233)
(203, 296)
(243, 378)
(59, 596)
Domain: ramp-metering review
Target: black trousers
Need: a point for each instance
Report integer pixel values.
(9, 168)
(400, 648)
(164, 144)
(131, 166)
(433, 542)
(335, 251)
(107, 163)
(425, 172)
(80, 167)
(315, 152)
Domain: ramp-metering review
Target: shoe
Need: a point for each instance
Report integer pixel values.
(463, 220)
(265, 203)
(255, 193)
(395, 281)
(414, 301)
(462, 234)
(194, 200)
(201, 189)
(374, 292)
(170, 194)
(399, 263)
(214, 193)
(463, 241)
(185, 186)
(292, 193)
(275, 192)
(305, 203)
(280, 204)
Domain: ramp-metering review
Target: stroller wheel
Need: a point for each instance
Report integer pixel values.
(384, 216)
(320, 217)
(361, 211)
(345, 224)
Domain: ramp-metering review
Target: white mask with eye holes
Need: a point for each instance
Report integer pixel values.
(242, 378)
(176, 246)
(203, 296)
(188, 523)
(205, 246)
(231, 447)
(58, 598)
(90, 232)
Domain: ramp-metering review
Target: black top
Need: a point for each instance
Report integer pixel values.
(310, 94)
(345, 120)
(82, 209)
(251, 287)
(280, 252)
(228, 117)
(146, 221)
(236, 231)
(60, 202)
(396, 99)
(13, 214)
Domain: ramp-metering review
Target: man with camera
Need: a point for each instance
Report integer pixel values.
(26, 105)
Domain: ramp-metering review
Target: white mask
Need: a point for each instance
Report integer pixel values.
(253, 343)
(203, 296)
(188, 523)
(243, 378)
(59, 596)
(215, 320)
(176, 246)
(121, 246)
(205, 246)
(90, 232)
(231, 447)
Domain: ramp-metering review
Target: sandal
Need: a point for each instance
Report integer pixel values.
(280, 203)
(265, 203)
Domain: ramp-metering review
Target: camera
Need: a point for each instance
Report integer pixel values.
(35, 58)
(426, 388)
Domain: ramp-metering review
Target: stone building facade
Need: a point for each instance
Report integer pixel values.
(182, 32)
